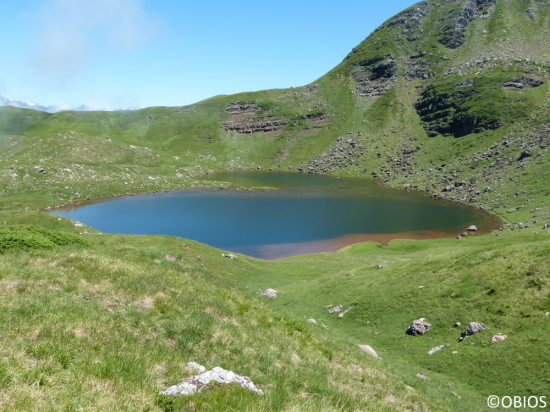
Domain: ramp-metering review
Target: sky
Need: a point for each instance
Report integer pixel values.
(120, 53)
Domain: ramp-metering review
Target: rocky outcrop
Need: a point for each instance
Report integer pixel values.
(532, 11)
(472, 329)
(245, 119)
(453, 24)
(527, 80)
(196, 383)
(418, 327)
(376, 76)
(412, 17)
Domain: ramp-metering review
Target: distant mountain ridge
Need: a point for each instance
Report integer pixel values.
(52, 109)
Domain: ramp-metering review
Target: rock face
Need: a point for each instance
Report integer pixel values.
(418, 327)
(376, 76)
(246, 118)
(270, 293)
(369, 350)
(472, 329)
(196, 383)
(453, 24)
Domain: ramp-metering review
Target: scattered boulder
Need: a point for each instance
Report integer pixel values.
(230, 256)
(436, 349)
(382, 266)
(521, 225)
(270, 293)
(510, 210)
(422, 376)
(418, 327)
(335, 309)
(472, 228)
(369, 350)
(498, 338)
(472, 329)
(457, 324)
(196, 383)
(312, 320)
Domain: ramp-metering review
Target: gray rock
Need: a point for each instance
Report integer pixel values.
(457, 324)
(472, 329)
(418, 327)
(521, 225)
(230, 256)
(472, 228)
(335, 309)
(312, 320)
(436, 349)
(341, 315)
(382, 266)
(270, 293)
(510, 210)
(422, 376)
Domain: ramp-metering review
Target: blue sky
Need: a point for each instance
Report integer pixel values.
(119, 53)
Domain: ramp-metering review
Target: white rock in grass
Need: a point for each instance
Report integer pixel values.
(196, 383)
(369, 350)
(436, 349)
(195, 367)
(312, 320)
(270, 293)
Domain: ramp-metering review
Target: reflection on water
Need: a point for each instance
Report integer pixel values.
(313, 213)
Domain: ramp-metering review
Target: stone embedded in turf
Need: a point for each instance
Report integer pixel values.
(498, 338)
(195, 367)
(436, 349)
(472, 329)
(270, 293)
(418, 327)
(341, 315)
(196, 383)
(369, 350)
(335, 309)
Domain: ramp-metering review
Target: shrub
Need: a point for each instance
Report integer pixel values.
(33, 237)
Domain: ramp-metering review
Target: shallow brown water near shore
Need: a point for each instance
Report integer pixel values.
(312, 214)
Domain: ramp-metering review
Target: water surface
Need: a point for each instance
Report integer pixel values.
(312, 213)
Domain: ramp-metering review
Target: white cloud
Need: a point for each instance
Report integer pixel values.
(68, 31)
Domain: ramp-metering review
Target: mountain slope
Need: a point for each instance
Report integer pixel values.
(449, 97)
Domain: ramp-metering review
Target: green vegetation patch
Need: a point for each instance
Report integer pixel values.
(33, 237)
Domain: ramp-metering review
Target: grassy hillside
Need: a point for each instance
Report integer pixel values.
(447, 97)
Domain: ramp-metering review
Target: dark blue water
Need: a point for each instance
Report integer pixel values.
(309, 215)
